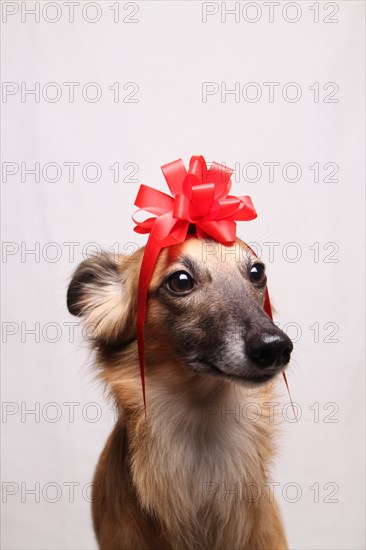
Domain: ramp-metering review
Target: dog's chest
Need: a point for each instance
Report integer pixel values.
(203, 480)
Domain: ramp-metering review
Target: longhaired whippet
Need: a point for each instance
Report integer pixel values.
(192, 475)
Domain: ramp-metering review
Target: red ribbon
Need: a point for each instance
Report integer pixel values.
(200, 197)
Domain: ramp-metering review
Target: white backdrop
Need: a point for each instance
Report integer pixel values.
(133, 85)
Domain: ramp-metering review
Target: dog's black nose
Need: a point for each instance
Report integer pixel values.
(269, 350)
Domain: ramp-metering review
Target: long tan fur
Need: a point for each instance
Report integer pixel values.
(192, 475)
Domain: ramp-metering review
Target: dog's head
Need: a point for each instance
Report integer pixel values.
(205, 309)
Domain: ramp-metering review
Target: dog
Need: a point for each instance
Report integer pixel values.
(192, 473)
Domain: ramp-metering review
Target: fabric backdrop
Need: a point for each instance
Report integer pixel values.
(95, 97)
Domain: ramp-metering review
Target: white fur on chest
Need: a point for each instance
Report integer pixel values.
(202, 470)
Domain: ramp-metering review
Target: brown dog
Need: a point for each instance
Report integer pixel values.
(193, 474)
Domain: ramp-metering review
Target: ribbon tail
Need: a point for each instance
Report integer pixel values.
(289, 394)
(267, 304)
(151, 254)
(268, 309)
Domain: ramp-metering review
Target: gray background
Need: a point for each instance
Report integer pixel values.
(167, 52)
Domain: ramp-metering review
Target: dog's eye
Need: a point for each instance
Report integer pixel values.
(180, 282)
(257, 275)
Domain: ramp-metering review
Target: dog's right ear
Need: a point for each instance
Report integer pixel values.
(102, 293)
(91, 274)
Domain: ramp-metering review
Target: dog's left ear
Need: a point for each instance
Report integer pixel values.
(102, 293)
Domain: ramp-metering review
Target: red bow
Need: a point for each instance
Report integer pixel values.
(200, 197)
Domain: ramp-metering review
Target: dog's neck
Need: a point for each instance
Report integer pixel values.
(202, 446)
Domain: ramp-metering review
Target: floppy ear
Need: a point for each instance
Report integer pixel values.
(102, 292)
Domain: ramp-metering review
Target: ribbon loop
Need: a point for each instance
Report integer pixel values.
(174, 174)
(151, 200)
